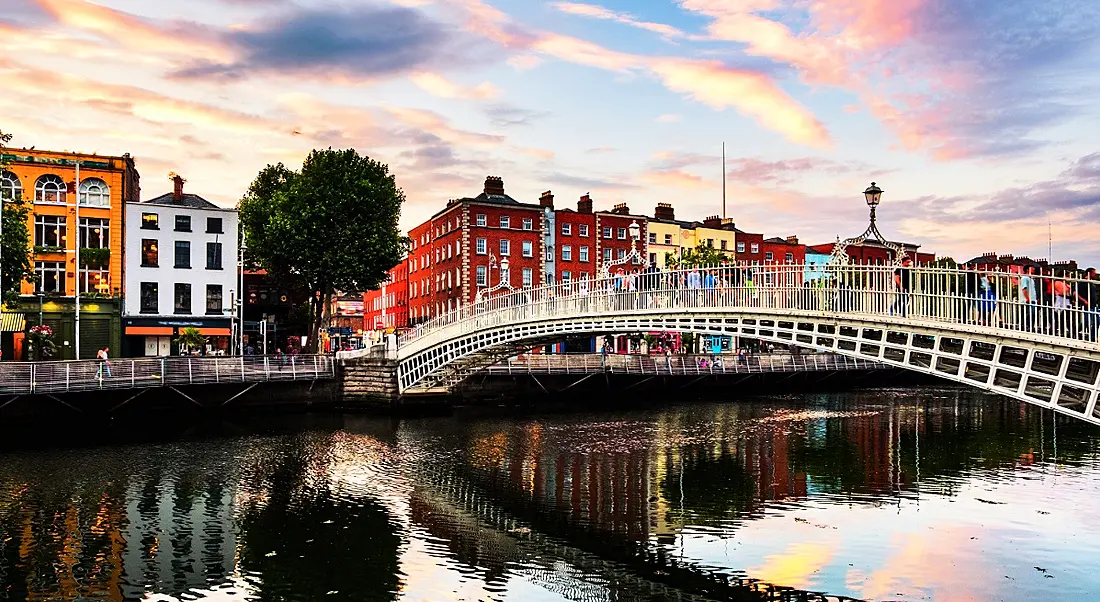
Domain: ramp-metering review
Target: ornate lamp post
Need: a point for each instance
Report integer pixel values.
(873, 196)
(634, 255)
(505, 281)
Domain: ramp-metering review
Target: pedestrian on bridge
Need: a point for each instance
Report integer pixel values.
(101, 356)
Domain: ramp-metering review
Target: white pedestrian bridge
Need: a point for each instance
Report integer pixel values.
(1034, 341)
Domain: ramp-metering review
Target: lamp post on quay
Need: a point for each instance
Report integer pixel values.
(872, 195)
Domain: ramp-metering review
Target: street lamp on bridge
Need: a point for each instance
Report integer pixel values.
(505, 279)
(873, 196)
(638, 257)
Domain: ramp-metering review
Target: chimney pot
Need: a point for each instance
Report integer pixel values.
(664, 211)
(547, 199)
(494, 186)
(585, 204)
(793, 240)
(621, 209)
(177, 188)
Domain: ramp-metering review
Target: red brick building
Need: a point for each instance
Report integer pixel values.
(750, 247)
(873, 253)
(388, 307)
(783, 250)
(420, 273)
(613, 229)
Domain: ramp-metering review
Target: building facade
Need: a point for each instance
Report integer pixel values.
(181, 271)
(70, 213)
(387, 309)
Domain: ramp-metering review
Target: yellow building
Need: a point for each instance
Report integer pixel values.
(47, 180)
(667, 235)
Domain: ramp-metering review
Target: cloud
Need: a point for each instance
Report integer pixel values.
(676, 178)
(441, 127)
(588, 183)
(504, 115)
(437, 85)
(24, 13)
(524, 62)
(785, 171)
(365, 41)
(598, 12)
(668, 118)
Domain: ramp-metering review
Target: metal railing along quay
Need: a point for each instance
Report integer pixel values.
(678, 364)
(28, 378)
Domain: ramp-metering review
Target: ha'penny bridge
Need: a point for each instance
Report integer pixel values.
(969, 327)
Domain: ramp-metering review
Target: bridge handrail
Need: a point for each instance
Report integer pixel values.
(26, 378)
(680, 364)
(1065, 308)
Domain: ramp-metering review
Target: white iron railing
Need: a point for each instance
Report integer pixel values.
(24, 378)
(679, 364)
(1064, 309)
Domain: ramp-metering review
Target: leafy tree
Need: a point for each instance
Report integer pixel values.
(15, 243)
(190, 338)
(330, 226)
(702, 255)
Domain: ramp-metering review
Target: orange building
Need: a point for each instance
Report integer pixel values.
(48, 180)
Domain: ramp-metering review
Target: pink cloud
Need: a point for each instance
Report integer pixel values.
(437, 85)
(598, 12)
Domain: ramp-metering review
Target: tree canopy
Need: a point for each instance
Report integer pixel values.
(701, 255)
(330, 226)
(15, 243)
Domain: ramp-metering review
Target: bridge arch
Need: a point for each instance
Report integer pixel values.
(936, 336)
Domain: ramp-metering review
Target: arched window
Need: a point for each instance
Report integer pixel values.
(10, 186)
(49, 189)
(95, 193)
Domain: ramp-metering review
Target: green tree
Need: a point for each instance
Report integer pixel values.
(190, 338)
(330, 226)
(700, 256)
(15, 243)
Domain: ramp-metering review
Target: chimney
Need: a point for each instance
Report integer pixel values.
(494, 186)
(177, 191)
(621, 209)
(546, 200)
(793, 240)
(585, 204)
(664, 211)
(712, 221)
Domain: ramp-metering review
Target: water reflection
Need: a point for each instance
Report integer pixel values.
(874, 495)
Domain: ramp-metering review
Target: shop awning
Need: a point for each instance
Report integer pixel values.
(215, 332)
(163, 331)
(12, 322)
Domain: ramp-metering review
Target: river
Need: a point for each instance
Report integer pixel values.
(927, 494)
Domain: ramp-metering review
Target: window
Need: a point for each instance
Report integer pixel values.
(505, 221)
(149, 297)
(668, 239)
(10, 186)
(51, 277)
(50, 189)
(584, 254)
(150, 221)
(607, 231)
(528, 223)
(582, 230)
(95, 233)
(740, 247)
(566, 253)
(622, 233)
(183, 254)
(566, 229)
(49, 230)
(480, 246)
(710, 242)
(149, 256)
(769, 256)
(652, 238)
(549, 253)
(182, 298)
(183, 223)
(566, 276)
(482, 277)
(213, 255)
(528, 248)
(652, 259)
(214, 299)
(528, 277)
(94, 193)
(755, 248)
(480, 219)
(724, 245)
(505, 247)
(607, 254)
(790, 258)
(620, 253)
(94, 280)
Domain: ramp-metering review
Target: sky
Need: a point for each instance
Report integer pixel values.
(977, 117)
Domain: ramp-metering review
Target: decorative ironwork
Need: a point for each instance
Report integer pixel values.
(504, 283)
(634, 255)
(839, 256)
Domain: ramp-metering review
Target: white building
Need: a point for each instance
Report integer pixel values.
(180, 268)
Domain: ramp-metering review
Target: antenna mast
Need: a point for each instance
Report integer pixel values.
(723, 180)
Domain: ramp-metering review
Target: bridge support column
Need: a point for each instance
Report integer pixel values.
(369, 381)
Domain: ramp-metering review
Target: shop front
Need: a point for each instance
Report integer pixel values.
(156, 337)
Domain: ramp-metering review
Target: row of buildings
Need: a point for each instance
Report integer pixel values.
(140, 270)
(457, 251)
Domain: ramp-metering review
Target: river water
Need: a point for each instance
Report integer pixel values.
(931, 494)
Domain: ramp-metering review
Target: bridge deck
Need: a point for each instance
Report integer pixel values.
(29, 378)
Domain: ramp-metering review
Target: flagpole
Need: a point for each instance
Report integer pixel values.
(77, 259)
(723, 180)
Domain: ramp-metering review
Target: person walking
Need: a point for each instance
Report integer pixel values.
(903, 281)
(101, 356)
